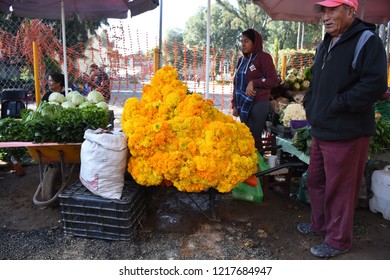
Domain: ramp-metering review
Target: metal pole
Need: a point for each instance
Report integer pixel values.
(208, 49)
(363, 6)
(36, 73)
(156, 60)
(160, 37)
(65, 67)
(298, 35)
(388, 54)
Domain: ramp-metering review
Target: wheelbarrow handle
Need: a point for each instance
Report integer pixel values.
(281, 166)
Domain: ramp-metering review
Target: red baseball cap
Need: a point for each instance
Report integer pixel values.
(335, 3)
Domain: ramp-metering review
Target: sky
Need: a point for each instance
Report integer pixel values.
(175, 14)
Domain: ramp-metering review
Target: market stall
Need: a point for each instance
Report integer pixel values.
(53, 134)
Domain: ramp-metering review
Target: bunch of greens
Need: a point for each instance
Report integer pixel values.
(53, 123)
(302, 140)
(381, 140)
(13, 130)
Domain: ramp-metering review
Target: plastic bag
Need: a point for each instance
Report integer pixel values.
(303, 194)
(248, 193)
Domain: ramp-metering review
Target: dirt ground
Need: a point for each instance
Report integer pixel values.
(177, 226)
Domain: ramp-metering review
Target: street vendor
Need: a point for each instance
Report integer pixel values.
(254, 77)
(56, 82)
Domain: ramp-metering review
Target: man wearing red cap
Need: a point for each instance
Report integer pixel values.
(349, 76)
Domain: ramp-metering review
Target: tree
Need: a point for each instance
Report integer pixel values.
(227, 23)
(247, 15)
(250, 15)
(223, 34)
(173, 47)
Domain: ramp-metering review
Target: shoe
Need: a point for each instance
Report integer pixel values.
(305, 229)
(325, 251)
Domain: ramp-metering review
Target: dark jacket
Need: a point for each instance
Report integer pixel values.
(261, 71)
(340, 101)
(102, 84)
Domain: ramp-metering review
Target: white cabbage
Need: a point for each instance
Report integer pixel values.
(71, 94)
(77, 99)
(53, 103)
(56, 97)
(67, 104)
(95, 97)
(102, 104)
(85, 104)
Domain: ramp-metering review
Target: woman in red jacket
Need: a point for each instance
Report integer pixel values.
(254, 78)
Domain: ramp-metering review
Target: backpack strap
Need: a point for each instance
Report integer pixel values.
(362, 40)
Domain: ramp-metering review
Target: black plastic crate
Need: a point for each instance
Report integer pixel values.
(88, 215)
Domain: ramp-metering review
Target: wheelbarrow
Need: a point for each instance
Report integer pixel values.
(59, 167)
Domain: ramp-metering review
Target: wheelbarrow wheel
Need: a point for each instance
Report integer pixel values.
(51, 184)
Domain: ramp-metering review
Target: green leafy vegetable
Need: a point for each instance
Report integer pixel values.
(53, 123)
(381, 140)
(302, 140)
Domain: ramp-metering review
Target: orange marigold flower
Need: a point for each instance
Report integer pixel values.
(184, 140)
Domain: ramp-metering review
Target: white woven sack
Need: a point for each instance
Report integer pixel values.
(103, 162)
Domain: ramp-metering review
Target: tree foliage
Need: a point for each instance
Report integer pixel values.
(174, 37)
(229, 20)
(222, 33)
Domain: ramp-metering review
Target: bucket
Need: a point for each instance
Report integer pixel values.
(380, 186)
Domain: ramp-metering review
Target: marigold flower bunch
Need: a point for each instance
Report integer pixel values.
(179, 139)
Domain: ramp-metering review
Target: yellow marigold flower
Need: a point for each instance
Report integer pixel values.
(184, 140)
(131, 106)
(157, 126)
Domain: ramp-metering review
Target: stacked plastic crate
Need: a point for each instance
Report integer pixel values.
(88, 215)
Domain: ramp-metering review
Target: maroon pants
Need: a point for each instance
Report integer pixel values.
(334, 178)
